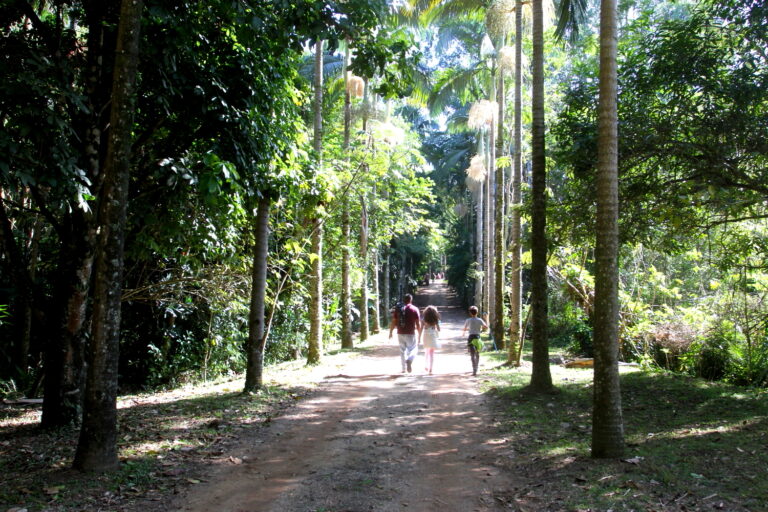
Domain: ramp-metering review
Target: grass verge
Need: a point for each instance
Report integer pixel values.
(165, 441)
(691, 444)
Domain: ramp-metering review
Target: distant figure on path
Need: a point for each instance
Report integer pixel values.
(406, 319)
(430, 334)
(475, 326)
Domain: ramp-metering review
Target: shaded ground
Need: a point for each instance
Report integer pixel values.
(369, 438)
(372, 439)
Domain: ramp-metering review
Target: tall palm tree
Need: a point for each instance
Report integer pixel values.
(346, 324)
(364, 318)
(515, 245)
(607, 424)
(541, 378)
(316, 277)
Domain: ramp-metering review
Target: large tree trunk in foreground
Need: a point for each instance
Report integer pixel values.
(256, 341)
(607, 423)
(541, 378)
(97, 445)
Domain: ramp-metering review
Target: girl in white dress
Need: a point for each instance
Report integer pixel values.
(430, 329)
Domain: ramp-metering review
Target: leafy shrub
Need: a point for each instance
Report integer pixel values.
(748, 363)
(569, 327)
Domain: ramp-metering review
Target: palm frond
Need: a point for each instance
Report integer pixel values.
(571, 15)
(451, 8)
(453, 83)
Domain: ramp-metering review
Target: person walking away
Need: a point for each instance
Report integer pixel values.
(407, 320)
(430, 334)
(475, 326)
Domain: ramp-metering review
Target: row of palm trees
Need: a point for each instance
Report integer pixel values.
(503, 17)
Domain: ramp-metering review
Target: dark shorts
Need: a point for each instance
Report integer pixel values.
(472, 337)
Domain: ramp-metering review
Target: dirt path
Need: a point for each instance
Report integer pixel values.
(373, 439)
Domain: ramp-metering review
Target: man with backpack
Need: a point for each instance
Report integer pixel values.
(406, 318)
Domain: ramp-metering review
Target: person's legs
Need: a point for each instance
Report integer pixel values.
(429, 356)
(403, 350)
(412, 347)
(474, 356)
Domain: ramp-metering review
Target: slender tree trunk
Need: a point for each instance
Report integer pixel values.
(385, 278)
(364, 327)
(480, 210)
(346, 288)
(541, 378)
(498, 237)
(607, 423)
(256, 340)
(488, 223)
(33, 251)
(376, 289)
(64, 354)
(316, 279)
(97, 445)
(346, 325)
(515, 248)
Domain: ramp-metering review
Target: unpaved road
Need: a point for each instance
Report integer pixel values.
(373, 439)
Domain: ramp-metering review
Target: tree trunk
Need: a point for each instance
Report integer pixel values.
(515, 248)
(97, 448)
(487, 223)
(345, 301)
(498, 236)
(346, 289)
(386, 281)
(364, 328)
(64, 352)
(376, 289)
(63, 363)
(541, 378)
(479, 248)
(256, 340)
(315, 344)
(607, 423)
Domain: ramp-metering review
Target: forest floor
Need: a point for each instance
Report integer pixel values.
(355, 434)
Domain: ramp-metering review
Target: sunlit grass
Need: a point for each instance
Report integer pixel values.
(690, 443)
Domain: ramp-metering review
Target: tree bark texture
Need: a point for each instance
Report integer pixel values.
(515, 248)
(97, 445)
(256, 340)
(315, 344)
(64, 353)
(479, 212)
(376, 293)
(346, 287)
(541, 378)
(498, 237)
(345, 301)
(364, 327)
(607, 423)
(63, 363)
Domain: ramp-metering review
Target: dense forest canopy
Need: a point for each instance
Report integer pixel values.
(364, 145)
